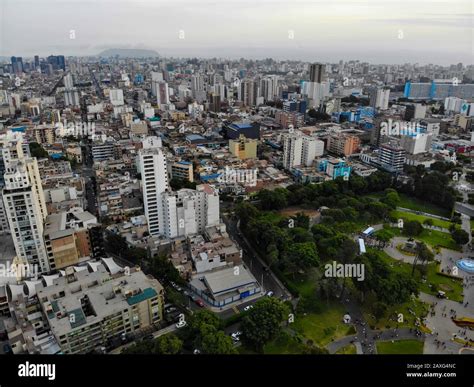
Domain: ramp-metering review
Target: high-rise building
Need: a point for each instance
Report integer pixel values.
(189, 211)
(392, 157)
(71, 98)
(68, 82)
(214, 102)
(379, 97)
(438, 90)
(153, 169)
(415, 144)
(299, 149)
(269, 87)
(416, 110)
(343, 144)
(17, 64)
(317, 72)
(248, 92)
(57, 62)
(24, 202)
(162, 96)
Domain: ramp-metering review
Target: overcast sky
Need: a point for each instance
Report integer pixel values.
(379, 31)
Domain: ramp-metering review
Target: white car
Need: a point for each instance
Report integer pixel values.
(236, 336)
(247, 308)
(181, 324)
(270, 293)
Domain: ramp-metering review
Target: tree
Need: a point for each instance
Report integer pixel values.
(423, 253)
(318, 116)
(273, 200)
(412, 228)
(115, 243)
(246, 212)
(178, 184)
(164, 345)
(391, 199)
(379, 309)
(162, 268)
(301, 220)
(168, 344)
(38, 151)
(384, 235)
(460, 236)
(263, 322)
(428, 222)
(146, 347)
(217, 342)
(204, 317)
(300, 256)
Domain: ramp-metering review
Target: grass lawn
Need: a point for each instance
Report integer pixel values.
(408, 347)
(420, 205)
(433, 238)
(420, 218)
(410, 309)
(306, 284)
(452, 287)
(323, 327)
(416, 204)
(273, 217)
(284, 344)
(347, 350)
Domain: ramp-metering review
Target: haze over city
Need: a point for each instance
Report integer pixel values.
(380, 31)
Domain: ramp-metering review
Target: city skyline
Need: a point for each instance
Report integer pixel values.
(385, 31)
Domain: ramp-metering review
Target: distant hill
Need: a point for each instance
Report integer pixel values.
(128, 53)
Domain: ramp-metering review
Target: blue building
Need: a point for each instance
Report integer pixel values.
(334, 168)
(248, 129)
(438, 90)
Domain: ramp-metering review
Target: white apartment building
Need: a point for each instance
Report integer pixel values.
(188, 211)
(152, 166)
(299, 149)
(116, 97)
(162, 93)
(417, 144)
(23, 202)
(379, 98)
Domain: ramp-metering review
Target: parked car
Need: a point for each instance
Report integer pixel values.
(174, 285)
(270, 293)
(236, 336)
(200, 303)
(247, 308)
(181, 324)
(193, 297)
